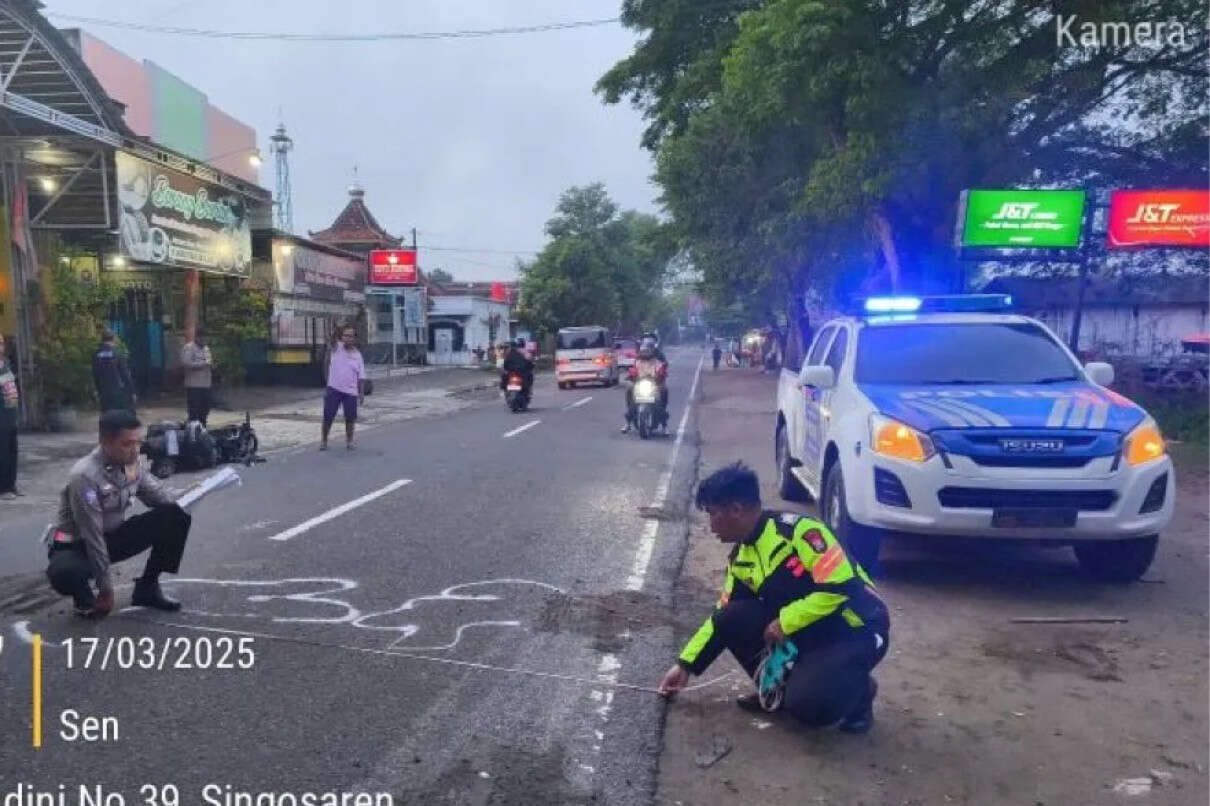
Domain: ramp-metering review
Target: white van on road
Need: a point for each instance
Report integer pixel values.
(585, 355)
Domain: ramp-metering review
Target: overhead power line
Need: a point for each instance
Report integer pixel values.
(474, 33)
(472, 251)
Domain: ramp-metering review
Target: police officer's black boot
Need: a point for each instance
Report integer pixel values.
(862, 717)
(147, 593)
(84, 601)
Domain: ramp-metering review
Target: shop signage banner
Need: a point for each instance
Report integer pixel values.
(413, 307)
(169, 218)
(321, 275)
(1011, 219)
(393, 267)
(1159, 218)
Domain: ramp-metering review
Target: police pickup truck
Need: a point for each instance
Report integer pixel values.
(953, 416)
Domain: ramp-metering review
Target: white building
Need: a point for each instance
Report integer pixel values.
(1143, 316)
(458, 325)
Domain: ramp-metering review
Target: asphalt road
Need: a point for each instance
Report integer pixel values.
(529, 565)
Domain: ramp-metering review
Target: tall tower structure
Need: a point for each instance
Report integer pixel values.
(281, 145)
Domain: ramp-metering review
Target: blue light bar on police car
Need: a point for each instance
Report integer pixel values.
(892, 304)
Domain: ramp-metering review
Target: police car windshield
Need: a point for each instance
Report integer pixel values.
(983, 353)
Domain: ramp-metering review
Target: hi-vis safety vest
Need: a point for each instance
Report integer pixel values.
(799, 570)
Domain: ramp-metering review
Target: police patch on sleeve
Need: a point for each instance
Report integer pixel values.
(91, 498)
(815, 540)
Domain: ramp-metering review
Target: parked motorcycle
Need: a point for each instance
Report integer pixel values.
(516, 396)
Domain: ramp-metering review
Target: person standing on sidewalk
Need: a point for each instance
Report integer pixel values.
(198, 363)
(8, 426)
(115, 388)
(346, 384)
(788, 584)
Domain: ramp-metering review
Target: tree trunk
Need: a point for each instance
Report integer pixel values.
(1078, 315)
(886, 240)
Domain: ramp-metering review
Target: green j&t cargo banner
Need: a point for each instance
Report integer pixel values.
(1014, 219)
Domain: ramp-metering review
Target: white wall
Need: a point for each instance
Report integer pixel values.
(1156, 331)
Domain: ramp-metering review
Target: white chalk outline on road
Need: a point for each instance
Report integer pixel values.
(642, 557)
(577, 404)
(516, 431)
(336, 512)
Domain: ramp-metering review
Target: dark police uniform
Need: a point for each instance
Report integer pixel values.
(793, 568)
(93, 531)
(112, 377)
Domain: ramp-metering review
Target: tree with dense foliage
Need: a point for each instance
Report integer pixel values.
(601, 266)
(821, 146)
(439, 276)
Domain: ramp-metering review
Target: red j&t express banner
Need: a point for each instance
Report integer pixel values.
(393, 267)
(1159, 218)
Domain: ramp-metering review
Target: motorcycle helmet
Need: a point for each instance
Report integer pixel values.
(647, 348)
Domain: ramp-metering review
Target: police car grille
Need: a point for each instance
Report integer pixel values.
(990, 498)
(1031, 461)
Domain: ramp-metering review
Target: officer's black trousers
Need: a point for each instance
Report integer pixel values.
(197, 404)
(163, 530)
(828, 682)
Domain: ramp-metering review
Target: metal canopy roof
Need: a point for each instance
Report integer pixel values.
(57, 115)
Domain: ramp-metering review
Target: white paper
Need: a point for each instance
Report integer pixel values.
(225, 477)
(173, 448)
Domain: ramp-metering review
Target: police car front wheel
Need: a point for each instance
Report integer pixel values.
(1117, 560)
(860, 541)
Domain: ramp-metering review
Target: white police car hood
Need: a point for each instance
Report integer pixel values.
(1076, 405)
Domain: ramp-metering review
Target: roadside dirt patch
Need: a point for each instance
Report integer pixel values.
(1086, 653)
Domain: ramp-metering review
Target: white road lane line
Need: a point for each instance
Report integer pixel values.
(577, 404)
(516, 431)
(336, 512)
(642, 557)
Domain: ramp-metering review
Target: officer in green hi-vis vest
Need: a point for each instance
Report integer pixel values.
(788, 582)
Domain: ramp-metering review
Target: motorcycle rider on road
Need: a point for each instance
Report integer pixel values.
(517, 362)
(651, 363)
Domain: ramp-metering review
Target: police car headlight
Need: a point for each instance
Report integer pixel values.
(892, 438)
(1144, 444)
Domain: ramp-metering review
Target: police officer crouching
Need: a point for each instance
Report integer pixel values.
(93, 531)
(789, 579)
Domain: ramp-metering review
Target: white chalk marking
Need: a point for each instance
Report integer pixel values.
(336, 512)
(516, 431)
(577, 404)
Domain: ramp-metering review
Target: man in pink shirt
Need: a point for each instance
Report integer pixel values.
(346, 373)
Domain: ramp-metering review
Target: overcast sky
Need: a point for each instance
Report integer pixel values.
(469, 141)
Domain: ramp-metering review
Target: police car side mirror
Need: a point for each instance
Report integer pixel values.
(820, 377)
(1099, 373)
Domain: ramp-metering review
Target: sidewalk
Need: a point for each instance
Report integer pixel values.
(283, 417)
